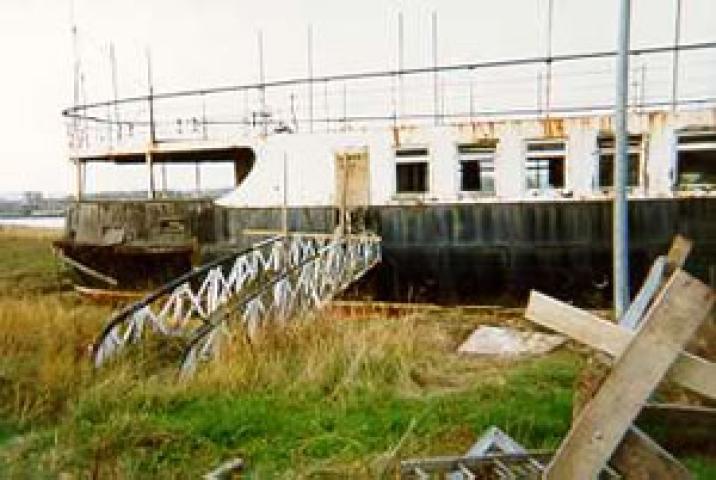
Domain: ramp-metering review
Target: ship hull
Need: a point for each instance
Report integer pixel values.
(446, 253)
(498, 252)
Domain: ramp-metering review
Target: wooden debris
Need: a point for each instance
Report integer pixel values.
(678, 312)
(638, 457)
(689, 371)
(683, 429)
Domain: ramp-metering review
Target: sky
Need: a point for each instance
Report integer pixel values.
(197, 43)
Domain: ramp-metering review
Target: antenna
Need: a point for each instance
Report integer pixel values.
(401, 64)
(309, 38)
(548, 79)
(325, 102)
(677, 41)
(262, 79)
(74, 138)
(436, 100)
(152, 132)
(113, 66)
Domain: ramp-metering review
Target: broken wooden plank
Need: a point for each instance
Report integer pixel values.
(679, 251)
(84, 268)
(638, 457)
(683, 429)
(689, 371)
(676, 314)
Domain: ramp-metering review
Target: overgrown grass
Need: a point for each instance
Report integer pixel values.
(321, 398)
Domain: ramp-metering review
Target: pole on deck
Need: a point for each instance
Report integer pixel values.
(80, 181)
(309, 47)
(548, 73)
(675, 73)
(621, 221)
(401, 65)
(436, 94)
(284, 202)
(151, 193)
(262, 82)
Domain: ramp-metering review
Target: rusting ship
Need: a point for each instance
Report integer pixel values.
(470, 201)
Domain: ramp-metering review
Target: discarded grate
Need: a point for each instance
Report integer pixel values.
(527, 466)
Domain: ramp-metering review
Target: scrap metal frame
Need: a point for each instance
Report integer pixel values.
(188, 306)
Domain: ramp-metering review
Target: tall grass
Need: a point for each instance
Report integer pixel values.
(318, 398)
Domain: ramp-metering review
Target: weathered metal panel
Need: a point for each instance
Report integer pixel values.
(155, 222)
(497, 252)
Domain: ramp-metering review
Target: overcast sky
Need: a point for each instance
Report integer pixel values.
(202, 43)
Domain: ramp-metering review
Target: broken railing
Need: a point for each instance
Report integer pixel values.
(189, 305)
(301, 288)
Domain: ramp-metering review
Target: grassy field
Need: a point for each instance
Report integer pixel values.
(323, 398)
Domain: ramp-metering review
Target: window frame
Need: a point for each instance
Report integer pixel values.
(411, 155)
(637, 148)
(483, 153)
(545, 155)
(693, 146)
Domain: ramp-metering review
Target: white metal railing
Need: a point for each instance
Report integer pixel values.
(304, 287)
(190, 304)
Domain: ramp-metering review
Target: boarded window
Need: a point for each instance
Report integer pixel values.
(696, 167)
(545, 164)
(606, 145)
(477, 167)
(411, 170)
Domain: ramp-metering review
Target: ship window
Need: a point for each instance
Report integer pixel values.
(411, 170)
(545, 164)
(606, 146)
(696, 161)
(477, 167)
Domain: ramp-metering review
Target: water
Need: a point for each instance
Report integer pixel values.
(34, 222)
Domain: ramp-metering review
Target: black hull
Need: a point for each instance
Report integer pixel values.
(498, 252)
(446, 254)
(133, 268)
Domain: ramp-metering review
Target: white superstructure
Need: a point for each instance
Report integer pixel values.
(545, 159)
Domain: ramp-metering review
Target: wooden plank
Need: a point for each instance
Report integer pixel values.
(679, 251)
(682, 429)
(85, 269)
(689, 371)
(671, 322)
(638, 457)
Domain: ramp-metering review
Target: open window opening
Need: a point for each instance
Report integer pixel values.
(477, 167)
(696, 161)
(411, 170)
(546, 164)
(606, 145)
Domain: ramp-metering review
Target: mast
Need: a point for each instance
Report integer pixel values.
(152, 134)
(548, 76)
(75, 125)
(115, 92)
(675, 73)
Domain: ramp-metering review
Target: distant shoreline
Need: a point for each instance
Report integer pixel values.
(49, 222)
